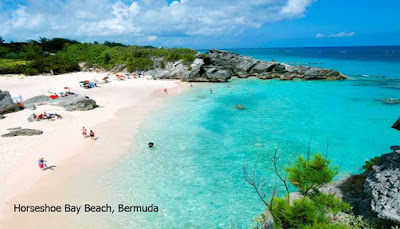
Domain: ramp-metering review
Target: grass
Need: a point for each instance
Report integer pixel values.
(12, 62)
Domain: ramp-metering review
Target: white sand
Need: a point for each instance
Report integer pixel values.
(62, 139)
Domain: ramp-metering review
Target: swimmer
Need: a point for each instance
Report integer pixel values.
(151, 145)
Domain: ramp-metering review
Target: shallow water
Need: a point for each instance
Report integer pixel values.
(194, 173)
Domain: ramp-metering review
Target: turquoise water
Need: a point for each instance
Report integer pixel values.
(194, 173)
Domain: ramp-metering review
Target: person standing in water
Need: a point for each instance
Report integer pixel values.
(91, 134)
(211, 90)
(84, 134)
(41, 163)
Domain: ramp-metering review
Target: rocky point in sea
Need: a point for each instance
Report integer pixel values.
(220, 66)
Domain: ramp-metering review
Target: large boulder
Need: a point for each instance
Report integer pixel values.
(396, 125)
(72, 102)
(7, 105)
(383, 187)
(22, 132)
(200, 73)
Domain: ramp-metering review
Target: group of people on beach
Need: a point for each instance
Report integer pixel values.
(45, 116)
(91, 133)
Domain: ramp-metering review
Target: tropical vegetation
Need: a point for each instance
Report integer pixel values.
(61, 55)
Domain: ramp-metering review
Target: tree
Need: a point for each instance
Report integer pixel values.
(312, 174)
(1, 40)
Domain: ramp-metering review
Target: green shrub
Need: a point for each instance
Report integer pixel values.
(329, 203)
(298, 214)
(368, 164)
(307, 175)
(31, 71)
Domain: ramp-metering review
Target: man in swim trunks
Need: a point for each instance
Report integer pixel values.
(84, 132)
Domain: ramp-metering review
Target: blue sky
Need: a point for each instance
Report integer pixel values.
(206, 23)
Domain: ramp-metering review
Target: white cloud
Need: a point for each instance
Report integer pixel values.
(150, 19)
(296, 7)
(341, 34)
(151, 38)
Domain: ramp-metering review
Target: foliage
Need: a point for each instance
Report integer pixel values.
(313, 209)
(63, 55)
(12, 66)
(57, 64)
(368, 164)
(329, 203)
(307, 175)
(308, 212)
(297, 214)
(1, 40)
(55, 44)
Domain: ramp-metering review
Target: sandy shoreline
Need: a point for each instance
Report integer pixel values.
(123, 105)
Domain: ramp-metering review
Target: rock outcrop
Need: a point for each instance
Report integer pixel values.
(7, 105)
(70, 103)
(220, 66)
(383, 187)
(22, 132)
(396, 125)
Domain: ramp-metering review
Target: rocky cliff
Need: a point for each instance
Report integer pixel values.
(220, 66)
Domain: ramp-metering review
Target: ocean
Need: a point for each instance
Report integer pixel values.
(195, 172)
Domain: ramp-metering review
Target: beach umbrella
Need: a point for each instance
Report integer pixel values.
(82, 82)
(396, 125)
(106, 77)
(134, 74)
(87, 81)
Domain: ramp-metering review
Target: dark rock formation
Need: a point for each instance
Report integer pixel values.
(220, 66)
(396, 125)
(70, 103)
(22, 132)
(7, 105)
(243, 67)
(383, 187)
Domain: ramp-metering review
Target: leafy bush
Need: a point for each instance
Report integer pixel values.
(312, 174)
(329, 203)
(368, 164)
(31, 71)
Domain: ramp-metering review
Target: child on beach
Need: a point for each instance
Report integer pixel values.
(91, 134)
(41, 163)
(84, 132)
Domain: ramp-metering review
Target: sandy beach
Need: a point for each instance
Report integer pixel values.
(122, 106)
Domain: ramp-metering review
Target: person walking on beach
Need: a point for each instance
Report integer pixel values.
(166, 91)
(91, 134)
(84, 134)
(41, 163)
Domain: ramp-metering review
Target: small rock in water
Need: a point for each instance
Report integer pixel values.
(389, 101)
(240, 107)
